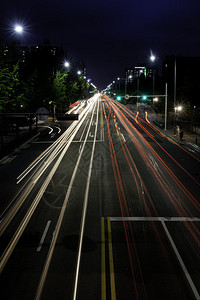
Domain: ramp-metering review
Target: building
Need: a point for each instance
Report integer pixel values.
(129, 75)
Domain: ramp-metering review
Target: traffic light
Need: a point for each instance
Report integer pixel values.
(119, 98)
(144, 97)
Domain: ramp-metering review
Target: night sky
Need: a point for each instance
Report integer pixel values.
(109, 34)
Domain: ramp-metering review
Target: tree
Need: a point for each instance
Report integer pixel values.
(10, 94)
(59, 96)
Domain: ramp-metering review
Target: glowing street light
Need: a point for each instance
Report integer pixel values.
(79, 72)
(67, 64)
(18, 29)
(152, 57)
(178, 108)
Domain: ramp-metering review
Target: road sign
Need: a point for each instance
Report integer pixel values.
(42, 114)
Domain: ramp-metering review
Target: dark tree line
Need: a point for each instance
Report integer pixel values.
(34, 77)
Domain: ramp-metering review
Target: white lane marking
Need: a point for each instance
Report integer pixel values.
(84, 130)
(123, 137)
(61, 215)
(91, 135)
(85, 204)
(6, 221)
(79, 151)
(160, 219)
(43, 236)
(163, 220)
(51, 129)
(187, 275)
(59, 130)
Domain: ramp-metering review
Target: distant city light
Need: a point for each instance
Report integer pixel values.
(79, 72)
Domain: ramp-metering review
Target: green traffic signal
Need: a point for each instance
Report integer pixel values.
(144, 97)
(119, 98)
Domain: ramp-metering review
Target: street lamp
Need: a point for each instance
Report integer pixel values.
(18, 28)
(67, 64)
(153, 58)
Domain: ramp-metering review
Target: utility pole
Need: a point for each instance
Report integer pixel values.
(166, 106)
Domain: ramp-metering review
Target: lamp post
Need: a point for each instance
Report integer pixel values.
(153, 58)
(174, 95)
(119, 83)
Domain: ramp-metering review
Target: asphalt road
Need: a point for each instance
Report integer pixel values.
(105, 208)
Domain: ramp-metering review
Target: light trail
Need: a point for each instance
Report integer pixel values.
(160, 178)
(63, 138)
(163, 182)
(61, 216)
(62, 148)
(133, 116)
(131, 245)
(85, 204)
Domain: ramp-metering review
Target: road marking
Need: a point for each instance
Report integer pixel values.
(43, 236)
(62, 212)
(84, 130)
(85, 204)
(163, 220)
(12, 157)
(5, 222)
(123, 137)
(187, 275)
(110, 250)
(103, 261)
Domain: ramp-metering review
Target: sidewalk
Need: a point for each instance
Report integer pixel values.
(12, 142)
(188, 137)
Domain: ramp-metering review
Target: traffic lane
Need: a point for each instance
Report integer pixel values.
(24, 268)
(178, 151)
(38, 174)
(17, 163)
(153, 185)
(64, 257)
(144, 125)
(54, 199)
(187, 245)
(150, 269)
(149, 163)
(103, 201)
(182, 164)
(185, 166)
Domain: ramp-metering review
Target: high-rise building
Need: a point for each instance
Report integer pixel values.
(129, 75)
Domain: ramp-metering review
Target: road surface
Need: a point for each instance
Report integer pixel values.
(105, 208)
